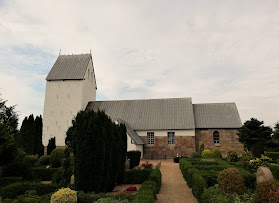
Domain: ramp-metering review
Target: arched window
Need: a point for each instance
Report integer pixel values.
(216, 137)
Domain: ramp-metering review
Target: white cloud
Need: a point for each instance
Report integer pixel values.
(211, 51)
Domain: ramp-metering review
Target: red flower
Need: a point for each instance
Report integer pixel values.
(131, 188)
(145, 164)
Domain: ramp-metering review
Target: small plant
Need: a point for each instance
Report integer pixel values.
(230, 181)
(259, 162)
(216, 153)
(267, 191)
(207, 154)
(195, 155)
(201, 147)
(64, 195)
(147, 166)
(72, 182)
(231, 155)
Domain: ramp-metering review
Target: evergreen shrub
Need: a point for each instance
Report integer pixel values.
(137, 176)
(189, 176)
(201, 147)
(13, 190)
(210, 167)
(64, 195)
(17, 170)
(206, 163)
(272, 155)
(230, 181)
(30, 160)
(274, 168)
(267, 192)
(9, 180)
(198, 185)
(134, 157)
(51, 145)
(214, 194)
(147, 193)
(211, 178)
(111, 200)
(91, 197)
(44, 160)
(216, 153)
(56, 157)
(176, 159)
(232, 155)
(195, 155)
(156, 176)
(250, 180)
(207, 154)
(45, 174)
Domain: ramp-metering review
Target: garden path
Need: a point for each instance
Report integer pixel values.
(174, 188)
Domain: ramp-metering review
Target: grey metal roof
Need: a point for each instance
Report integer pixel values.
(218, 115)
(151, 114)
(69, 67)
(134, 136)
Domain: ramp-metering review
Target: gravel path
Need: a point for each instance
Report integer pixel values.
(174, 188)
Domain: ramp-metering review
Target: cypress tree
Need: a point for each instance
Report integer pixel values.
(38, 129)
(51, 145)
(27, 134)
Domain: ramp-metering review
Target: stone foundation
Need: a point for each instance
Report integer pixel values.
(184, 145)
(228, 138)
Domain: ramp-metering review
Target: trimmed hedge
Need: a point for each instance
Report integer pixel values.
(134, 157)
(137, 176)
(274, 168)
(272, 155)
(44, 160)
(56, 157)
(45, 173)
(211, 167)
(16, 189)
(90, 197)
(207, 163)
(9, 180)
(156, 176)
(198, 185)
(214, 194)
(147, 193)
(211, 177)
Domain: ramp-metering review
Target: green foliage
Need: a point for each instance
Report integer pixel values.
(216, 153)
(44, 160)
(57, 176)
(257, 149)
(17, 169)
(176, 159)
(156, 176)
(267, 192)
(147, 193)
(56, 157)
(252, 132)
(64, 195)
(210, 167)
(195, 155)
(230, 181)
(198, 185)
(9, 180)
(95, 139)
(30, 160)
(67, 169)
(272, 145)
(137, 176)
(90, 197)
(134, 157)
(210, 177)
(45, 174)
(231, 155)
(272, 155)
(201, 147)
(214, 194)
(51, 145)
(207, 154)
(274, 168)
(259, 162)
(276, 131)
(13, 190)
(111, 200)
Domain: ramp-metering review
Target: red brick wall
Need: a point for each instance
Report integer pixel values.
(228, 138)
(184, 145)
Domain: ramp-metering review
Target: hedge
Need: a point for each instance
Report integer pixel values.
(56, 157)
(210, 177)
(45, 173)
(134, 157)
(272, 155)
(9, 180)
(90, 197)
(44, 160)
(211, 167)
(16, 189)
(156, 176)
(198, 185)
(147, 193)
(274, 168)
(137, 176)
(207, 163)
(176, 159)
(214, 194)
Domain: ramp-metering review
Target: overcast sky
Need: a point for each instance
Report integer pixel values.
(212, 51)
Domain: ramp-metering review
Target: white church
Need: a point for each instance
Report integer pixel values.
(156, 127)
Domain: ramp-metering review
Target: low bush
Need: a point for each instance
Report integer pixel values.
(267, 192)
(231, 155)
(176, 159)
(45, 173)
(184, 166)
(44, 160)
(90, 197)
(250, 180)
(214, 194)
(195, 155)
(274, 168)
(29, 198)
(111, 200)
(156, 176)
(134, 157)
(198, 185)
(56, 157)
(9, 180)
(64, 195)
(230, 181)
(147, 193)
(211, 178)
(16, 189)
(137, 176)
(207, 154)
(17, 170)
(210, 167)
(272, 155)
(201, 147)
(216, 153)
(30, 160)
(207, 163)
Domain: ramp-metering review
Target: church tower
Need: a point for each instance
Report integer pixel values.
(70, 85)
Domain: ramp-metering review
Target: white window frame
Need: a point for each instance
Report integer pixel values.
(150, 138)
(171, 137)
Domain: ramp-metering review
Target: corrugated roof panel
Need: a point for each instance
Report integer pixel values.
(218, 115)
(152, 114)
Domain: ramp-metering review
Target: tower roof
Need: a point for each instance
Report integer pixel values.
(70, 67)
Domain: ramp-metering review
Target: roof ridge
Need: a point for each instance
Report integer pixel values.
(142, 99)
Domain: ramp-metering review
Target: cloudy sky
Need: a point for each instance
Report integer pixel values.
(212, 51)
